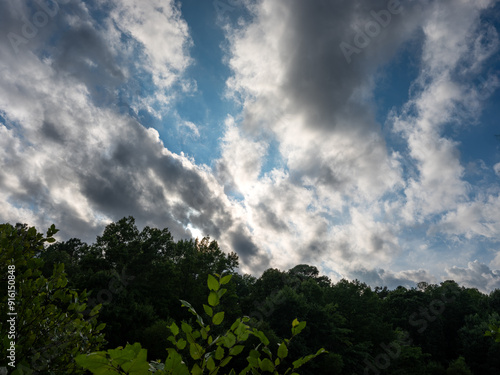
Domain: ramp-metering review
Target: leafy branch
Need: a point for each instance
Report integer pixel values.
(208, 353)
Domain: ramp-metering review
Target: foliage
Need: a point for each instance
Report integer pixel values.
(50, 328)
(140, 275)
(208, 352)
(122, 269)
(458, 367)
(494, 331)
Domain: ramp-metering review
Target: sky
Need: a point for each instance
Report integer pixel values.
(358, 136)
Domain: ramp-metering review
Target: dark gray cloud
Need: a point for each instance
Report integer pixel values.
(83, 53)
(250, 255)
(270, 218)
(319, 80)
(51, 132)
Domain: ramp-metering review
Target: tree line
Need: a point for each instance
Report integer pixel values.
(126, 287)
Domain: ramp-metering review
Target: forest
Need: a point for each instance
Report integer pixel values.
(132, 289)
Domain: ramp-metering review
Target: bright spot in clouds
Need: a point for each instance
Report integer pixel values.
(358, 136)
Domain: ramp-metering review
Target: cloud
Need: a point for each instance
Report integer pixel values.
(297, 89)
(293, 67)
(439, 185)
(476, 275)
(495, 263)
(496, 168)
(241, 161)
(192, 128)
(69, 159)
(158, 27)
(474, 219)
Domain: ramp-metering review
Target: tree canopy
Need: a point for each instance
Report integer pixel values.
(140, 276)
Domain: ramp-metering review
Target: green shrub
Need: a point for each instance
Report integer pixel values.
(49, 326)
(200, 349)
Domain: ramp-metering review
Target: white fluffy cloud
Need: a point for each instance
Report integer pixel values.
(160, 30)
(297, 89)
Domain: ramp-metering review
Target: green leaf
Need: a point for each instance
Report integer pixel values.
(261, 336)
(229, 340)
(266, 365)
(208, 310)
(181, 344)
(218, 318)
(235, 324)
(95, 310)
(204, 333)
(186, 304)
(196, 370)
(235, 350)
(225, 279)
(243, 336)
(138, 365)
(174, 363)
(213, 284)
(252, 361)
(210, 364)
(282, 351)
(174, 329)
(225, 361)
(94, 361)
(298, 328)
(193, 311)
(321, 351)
(295, 323)
(299, 362)
(213, 299)
(254, 353)
(186, 328)
(219, 353)
(195, 350)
